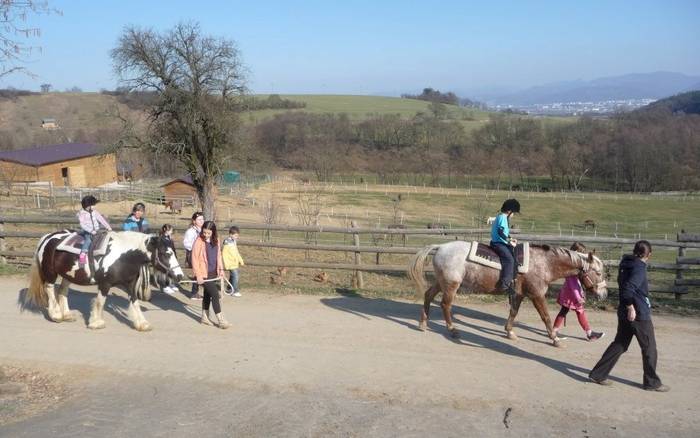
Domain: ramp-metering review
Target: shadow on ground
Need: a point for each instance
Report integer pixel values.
(476, 329)
(117, 304)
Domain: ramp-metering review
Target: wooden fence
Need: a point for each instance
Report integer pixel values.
(683, 265)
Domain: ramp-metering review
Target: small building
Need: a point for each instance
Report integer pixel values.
(64, 165)
(232, 177)
(179, 188)
(49, 124)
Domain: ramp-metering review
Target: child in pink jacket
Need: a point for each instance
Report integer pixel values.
(572, 297)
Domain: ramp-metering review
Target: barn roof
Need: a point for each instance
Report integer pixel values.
(187, 179)
(41, 155)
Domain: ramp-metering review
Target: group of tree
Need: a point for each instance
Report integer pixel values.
(430, 95)
(273, 101)
(629, 152)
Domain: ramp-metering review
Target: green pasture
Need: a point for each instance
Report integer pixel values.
(614, 214)
(359, 107)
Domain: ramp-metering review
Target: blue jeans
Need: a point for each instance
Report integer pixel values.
(233, 279)
(87, 240)
(505, 253)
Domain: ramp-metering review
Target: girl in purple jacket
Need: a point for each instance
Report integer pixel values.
(571, 297)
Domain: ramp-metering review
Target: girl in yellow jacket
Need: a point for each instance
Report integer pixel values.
(232, 260)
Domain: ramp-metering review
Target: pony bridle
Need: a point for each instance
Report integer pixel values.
(584, 275)
(168, 269)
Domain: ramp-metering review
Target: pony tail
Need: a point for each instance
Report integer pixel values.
(35, 295)
(415, 270)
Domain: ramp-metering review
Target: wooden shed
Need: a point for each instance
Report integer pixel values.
(65, 165)
(179, 189)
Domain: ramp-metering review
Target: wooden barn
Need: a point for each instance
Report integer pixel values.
(65, 165)
(179, 188)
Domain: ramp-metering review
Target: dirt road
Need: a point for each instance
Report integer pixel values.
(341, 366)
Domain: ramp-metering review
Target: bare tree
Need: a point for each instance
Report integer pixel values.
(198, 82)
(309, 205)
(271, 212)
(45, 88)
(15, 51)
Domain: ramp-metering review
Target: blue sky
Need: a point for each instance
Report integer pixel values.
(366, 47)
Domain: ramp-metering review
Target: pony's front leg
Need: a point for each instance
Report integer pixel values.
(96, 320)
(54, 310)
(541, 306)
(136, 316)
(425, 312)
(66, 313)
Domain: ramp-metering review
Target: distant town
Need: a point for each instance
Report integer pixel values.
(577, 108)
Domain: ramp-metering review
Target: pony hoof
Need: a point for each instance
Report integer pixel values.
(144, 327)
(557, 343)
(56, 318)
(96, 325)
(69, 317)
(512, 336)
(422, 326)
(454, 333)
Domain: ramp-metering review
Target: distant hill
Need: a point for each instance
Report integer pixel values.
(89, 117)
(687, 103)
(631, 86)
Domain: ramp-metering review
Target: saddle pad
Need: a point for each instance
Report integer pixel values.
(74, 241)
(484, 255)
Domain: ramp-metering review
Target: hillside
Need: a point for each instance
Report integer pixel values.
(687, 103)
(81, 117)
(91, 116)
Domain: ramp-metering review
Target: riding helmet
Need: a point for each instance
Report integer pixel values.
(89, 201)
(511, 205)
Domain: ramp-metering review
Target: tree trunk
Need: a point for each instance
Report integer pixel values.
(207, 196)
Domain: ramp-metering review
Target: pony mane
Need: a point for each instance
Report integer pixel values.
(577, 258)
(132, 239)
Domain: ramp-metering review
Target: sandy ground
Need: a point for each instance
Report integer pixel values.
(296, 365)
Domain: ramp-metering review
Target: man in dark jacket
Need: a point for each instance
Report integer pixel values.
(633, 320)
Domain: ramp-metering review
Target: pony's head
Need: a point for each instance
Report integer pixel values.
(592, 277)
(163, 258)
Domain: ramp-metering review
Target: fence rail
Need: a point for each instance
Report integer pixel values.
(680, 285)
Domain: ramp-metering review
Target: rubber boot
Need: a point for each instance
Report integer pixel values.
(223, 324)
(205, 318)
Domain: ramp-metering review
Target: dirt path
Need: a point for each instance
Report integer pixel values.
(341, 366)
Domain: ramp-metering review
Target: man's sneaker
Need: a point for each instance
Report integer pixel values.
(196, 297)
(82, 259)
(660, 388)
(228, 291)
(169, 290)
(594, 336)
(604, 382)
(236, 294)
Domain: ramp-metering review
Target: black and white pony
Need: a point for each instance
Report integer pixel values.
(125, 262)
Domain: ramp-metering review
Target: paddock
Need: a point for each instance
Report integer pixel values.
(342, 365)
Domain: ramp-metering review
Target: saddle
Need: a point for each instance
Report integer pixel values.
(484, 255)
(74, 242)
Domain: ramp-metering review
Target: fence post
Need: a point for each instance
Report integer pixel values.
(357, 280)
(3, 260)
(679, 272)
